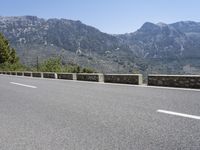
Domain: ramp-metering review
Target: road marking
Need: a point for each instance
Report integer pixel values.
(30, 86)
(178, 114)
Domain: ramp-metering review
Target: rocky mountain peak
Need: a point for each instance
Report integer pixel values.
(187, 26)
(161, 24)
(149, 27)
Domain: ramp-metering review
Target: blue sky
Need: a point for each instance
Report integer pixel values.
(110, 16)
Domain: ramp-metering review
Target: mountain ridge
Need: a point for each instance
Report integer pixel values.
(79, 43)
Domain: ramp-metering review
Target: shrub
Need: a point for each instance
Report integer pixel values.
(51, 65)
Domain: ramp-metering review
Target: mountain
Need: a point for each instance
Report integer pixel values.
(167, 48)
(160, 48)
(187, 27)
(74, 41)
(163, 41)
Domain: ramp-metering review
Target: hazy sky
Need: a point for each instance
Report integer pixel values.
(111, 16)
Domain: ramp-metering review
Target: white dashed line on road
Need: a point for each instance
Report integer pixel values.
(179, 114)
(29, 86)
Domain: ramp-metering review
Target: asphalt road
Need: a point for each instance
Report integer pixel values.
(43, 114)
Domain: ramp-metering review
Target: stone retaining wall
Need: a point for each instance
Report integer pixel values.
(27, 74)
(13, 73)
(19, 73)
(37, 74)
(123, 78)
(8, 73)
(50, 75)
(96, 77)
(67, 76)
(182, 81)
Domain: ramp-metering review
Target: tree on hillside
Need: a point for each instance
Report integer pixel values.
(7, 54)
(51, 65)
(13, 59)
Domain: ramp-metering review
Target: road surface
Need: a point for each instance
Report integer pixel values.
(44, 114)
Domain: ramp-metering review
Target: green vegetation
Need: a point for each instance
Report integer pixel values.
(88, 70)
(7, 54)
(51, 65)
(12, 67)
(8, 57)
(55, 65)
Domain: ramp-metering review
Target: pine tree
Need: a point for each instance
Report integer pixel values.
(7, 54)
(13, 57)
